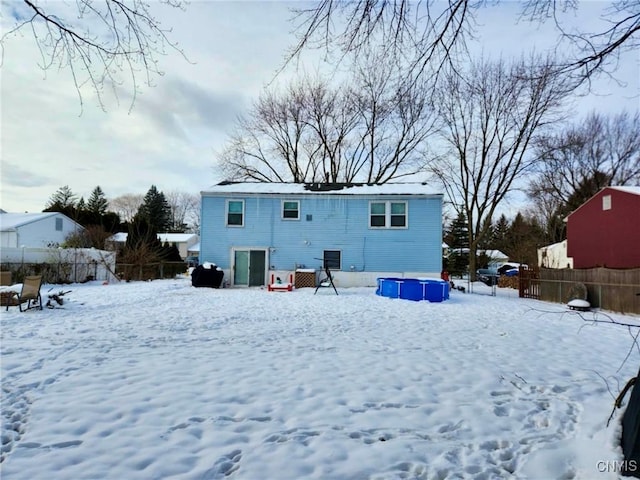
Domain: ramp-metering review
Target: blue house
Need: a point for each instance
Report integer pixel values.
(257, 232)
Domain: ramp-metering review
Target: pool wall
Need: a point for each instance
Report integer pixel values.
(433, 290)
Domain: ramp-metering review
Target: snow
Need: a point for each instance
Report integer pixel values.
(155, 380)
(260, 188)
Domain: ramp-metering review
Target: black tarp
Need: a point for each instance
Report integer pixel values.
(631, 433)
(207, 277)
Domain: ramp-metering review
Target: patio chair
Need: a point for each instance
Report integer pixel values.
(30, 294)
(328, 280)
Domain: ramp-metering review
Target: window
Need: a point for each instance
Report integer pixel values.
(398, 214)
(235, 213)
(377, 214)
(58, 224)
(332, 259)
(388, 214)
(606, 202)
(291, 210)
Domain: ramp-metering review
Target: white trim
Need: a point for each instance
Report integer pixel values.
(226, 212)
(388, 215)
(332, 250)
(248, 249)
(282, 210)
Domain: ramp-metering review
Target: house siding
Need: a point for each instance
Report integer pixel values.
(40, 232)
(605, 238)
(338, 223)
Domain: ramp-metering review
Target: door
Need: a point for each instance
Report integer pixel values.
(249, 267)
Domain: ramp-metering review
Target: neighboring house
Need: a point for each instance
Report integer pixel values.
(605, 231)
(554, 256)
(185, 242)
(496, 258)
(36, 229)
(257, 232)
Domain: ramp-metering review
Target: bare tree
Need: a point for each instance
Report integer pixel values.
(594, 51)
(184, 210)
(395, 118)
(126, 206)
(96, 40)
(433, 33)
(576, 162)
(490, 116)
(269, 144)
(370, 129)
(424, 34)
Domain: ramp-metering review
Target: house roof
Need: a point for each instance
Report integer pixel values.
(121, 237)
(634, 190)
(631, 189)
(11, 221)
(262, 188)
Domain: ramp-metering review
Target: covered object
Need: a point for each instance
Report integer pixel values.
(207, 275)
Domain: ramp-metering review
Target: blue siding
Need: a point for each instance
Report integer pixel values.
(338, 223)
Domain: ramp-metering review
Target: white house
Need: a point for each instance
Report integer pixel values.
(555, 256)
(37, 230)
(187, 243)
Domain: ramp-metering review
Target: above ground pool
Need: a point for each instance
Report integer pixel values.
(434, 290)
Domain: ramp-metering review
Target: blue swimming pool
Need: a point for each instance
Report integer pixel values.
(433, 290)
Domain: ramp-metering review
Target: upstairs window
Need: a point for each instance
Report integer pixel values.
(606, 202)
(388, 214)
(377, 214)
(235, 213)
(291, 210)
(58, 224)
(398, 214)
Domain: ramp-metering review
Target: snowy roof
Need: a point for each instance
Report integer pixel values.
(121, 237)
(630, 189)
(261, 188)
(634, 190)
(176, 237)
(11, 221)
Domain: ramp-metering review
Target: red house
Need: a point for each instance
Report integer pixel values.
(605, 230)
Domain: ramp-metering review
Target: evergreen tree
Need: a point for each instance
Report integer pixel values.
(97, 203)
(156, 210)
(142, 235)
(458, 239)
(500, 239)
(63, 201)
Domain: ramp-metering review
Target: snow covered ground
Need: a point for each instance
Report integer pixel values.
(155, 380)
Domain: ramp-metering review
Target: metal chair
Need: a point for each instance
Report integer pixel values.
(30, 294)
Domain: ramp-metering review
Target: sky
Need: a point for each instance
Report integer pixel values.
(158, 380)
(171, 136)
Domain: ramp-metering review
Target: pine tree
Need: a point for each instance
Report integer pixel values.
(458, 240)
(63, 201)
(97, 203)
(156, 210)
(501, 234)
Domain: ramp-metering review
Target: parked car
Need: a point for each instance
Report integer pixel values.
(192, 261)
(488, 276)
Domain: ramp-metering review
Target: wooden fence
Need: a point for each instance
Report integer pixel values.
(609, 289)
(149, 271)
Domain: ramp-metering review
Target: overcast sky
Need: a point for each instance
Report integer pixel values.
(172, 134)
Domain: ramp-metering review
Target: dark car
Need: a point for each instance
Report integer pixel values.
(192, 261)
(488, 276)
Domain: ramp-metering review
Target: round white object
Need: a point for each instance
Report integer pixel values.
(579, 304)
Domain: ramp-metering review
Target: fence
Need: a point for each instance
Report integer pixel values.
(149, 271)
(609, 289)
(58, 265)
